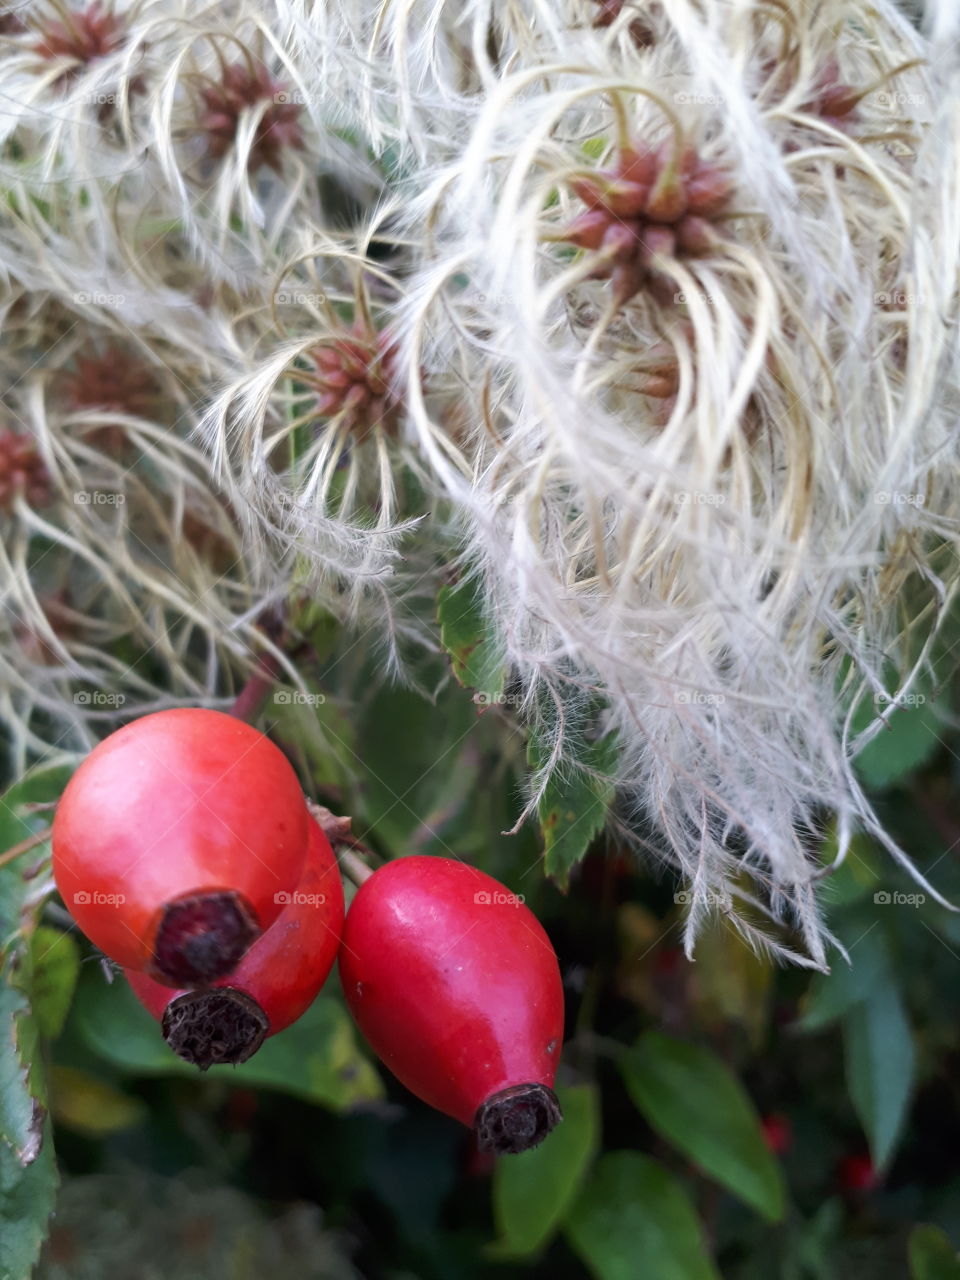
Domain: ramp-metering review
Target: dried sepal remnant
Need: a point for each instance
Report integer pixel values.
(354, 378)
(656, 203)
(23, 472)
(249, 86)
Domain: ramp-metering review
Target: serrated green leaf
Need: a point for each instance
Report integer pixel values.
(28, 1175)
(317, 1059)
(55, 962)
(573, 807)
(879, 1058)
(27, 1198)
(532, 1191)
(691, 1098)
(475, 653)
(634, 1219)
(932, 1256)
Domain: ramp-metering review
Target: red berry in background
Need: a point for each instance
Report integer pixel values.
(173, 839)
(777, 1133)
(275, 982)
(455, 985)
(856, 1173)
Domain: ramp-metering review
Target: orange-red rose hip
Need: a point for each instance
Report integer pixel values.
(454, 983)
(173, 839)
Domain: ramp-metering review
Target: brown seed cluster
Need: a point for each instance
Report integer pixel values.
(245, 85)
(656, 203)
(353, 381)
(22, 471)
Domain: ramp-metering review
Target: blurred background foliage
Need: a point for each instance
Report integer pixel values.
(724, 1117)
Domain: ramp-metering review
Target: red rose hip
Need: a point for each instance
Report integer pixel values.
(173, 839)
(275, 982)
(455, 985)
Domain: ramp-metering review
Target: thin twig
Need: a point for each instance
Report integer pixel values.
(24, 846)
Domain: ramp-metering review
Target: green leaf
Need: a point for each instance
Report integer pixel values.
(28, 1175)
(55, 959)
(832, 995)
(317, 733)
(27, 1198)
(911, 736)
(406, 755)
(879, 1058)
(573, 807)
(475, 653)
(532, 1191)
(634, 1219)
(932, 1256)
(317, 1059)
(691, 1098)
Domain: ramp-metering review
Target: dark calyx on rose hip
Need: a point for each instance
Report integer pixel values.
(517, 1119)
(274, 982)
(206, 1028)
(456, 987)
(203, 937)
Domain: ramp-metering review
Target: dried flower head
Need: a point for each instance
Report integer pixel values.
(80, 36)
(248, 86)
(656, 203)
(353, 377)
